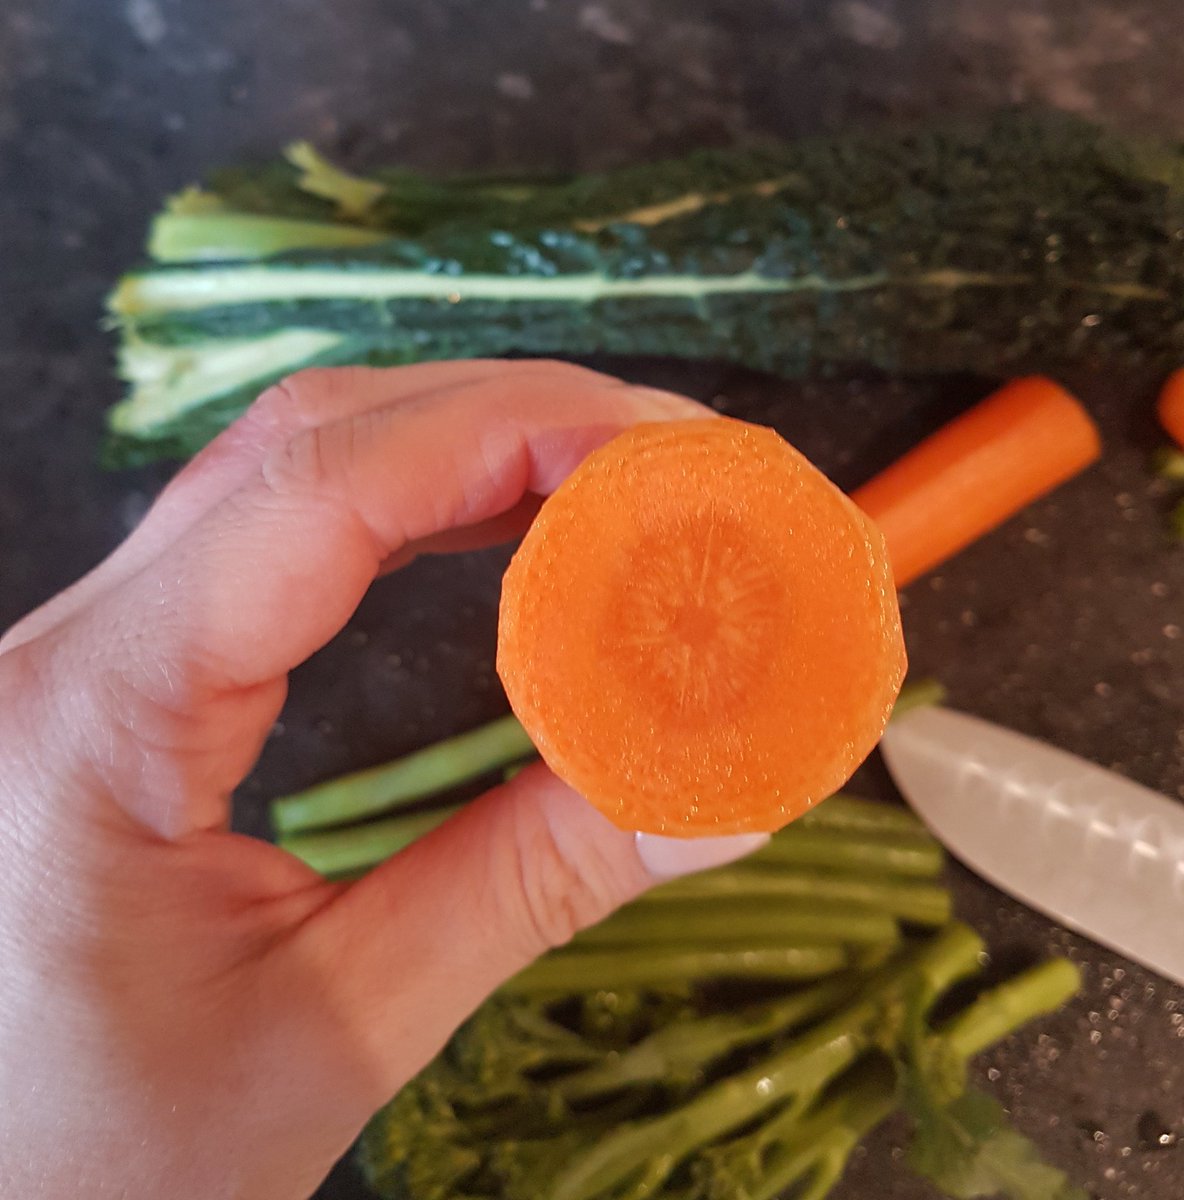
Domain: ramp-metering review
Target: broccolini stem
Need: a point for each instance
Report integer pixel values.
(1003, 1009)
(792, 1077)
(379, 789)
(731, 920)
(919, 903)
(818, 1147)
(654, 966)
(353, 850)
(918, 856)
(679, 1052)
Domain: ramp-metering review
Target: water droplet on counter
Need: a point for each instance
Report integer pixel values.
(1171, 632)
(1154, 1133)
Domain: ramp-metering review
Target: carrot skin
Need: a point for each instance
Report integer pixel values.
(1170, 406)
(970, 476)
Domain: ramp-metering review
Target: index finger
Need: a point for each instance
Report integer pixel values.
(306, 535)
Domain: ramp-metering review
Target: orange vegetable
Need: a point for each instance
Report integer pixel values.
(1171, 406)
(699, 631)
(977, 471)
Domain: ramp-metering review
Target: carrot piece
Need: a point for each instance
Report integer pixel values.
(699, 631)
(977, 471)
(1170, 406)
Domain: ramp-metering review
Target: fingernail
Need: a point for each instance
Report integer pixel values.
(667, 857)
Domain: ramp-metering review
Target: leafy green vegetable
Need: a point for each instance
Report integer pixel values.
(963, 1142)
(726, 1037)
(967, 1148)
(695, 1103)
(1016, 243)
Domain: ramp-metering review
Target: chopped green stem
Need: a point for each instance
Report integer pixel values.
(679, 1052)
(1176, 521)
(654, 966)
(351, 851)
(918, 693)
(1003, 1009)
(405, 781)
(841, 811)
(739, 919)
(837, 849)
(1169, 463)
(905, 899)
(792, 1077)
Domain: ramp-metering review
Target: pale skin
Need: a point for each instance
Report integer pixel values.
(186, 1012)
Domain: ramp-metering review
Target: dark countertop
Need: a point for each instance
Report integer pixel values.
(1066, 625)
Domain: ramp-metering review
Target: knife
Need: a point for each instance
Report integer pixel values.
(1094, 851)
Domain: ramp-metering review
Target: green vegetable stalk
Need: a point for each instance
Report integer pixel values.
(1010, 244)
(397, 784)
(568, 971)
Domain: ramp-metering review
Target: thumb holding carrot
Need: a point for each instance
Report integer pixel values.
(239, 1017)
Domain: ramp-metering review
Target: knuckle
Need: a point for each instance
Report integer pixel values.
(554, 893)
(303, 463)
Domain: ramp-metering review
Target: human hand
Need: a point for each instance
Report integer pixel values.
(188, 1012)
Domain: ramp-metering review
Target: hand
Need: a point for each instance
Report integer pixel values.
(185, 1012)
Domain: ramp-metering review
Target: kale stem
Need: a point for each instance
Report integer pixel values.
(379, 789)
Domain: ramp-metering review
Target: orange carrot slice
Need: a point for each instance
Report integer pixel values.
(1171, 406)
(976, 472)
(699, 631)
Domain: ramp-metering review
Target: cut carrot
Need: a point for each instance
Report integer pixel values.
(1171, 406)
(976, 472)
(699, 631)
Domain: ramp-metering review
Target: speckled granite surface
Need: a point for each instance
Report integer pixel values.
(1066, 625)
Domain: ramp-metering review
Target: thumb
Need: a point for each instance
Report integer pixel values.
(414, 947)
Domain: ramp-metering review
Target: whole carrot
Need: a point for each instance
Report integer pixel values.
(980, 469)
(1170, 407)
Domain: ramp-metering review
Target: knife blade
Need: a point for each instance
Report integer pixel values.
(1100, 854)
